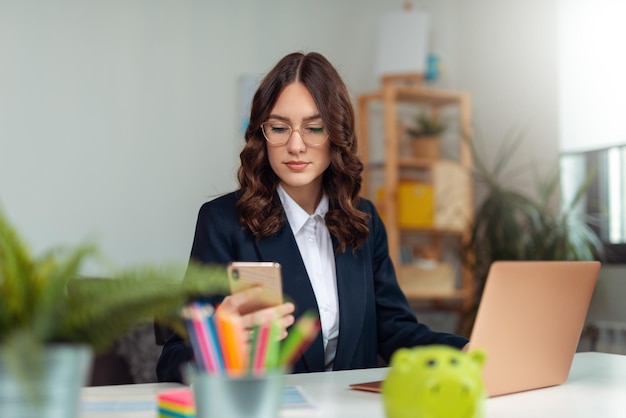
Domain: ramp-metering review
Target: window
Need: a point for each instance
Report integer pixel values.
(604, 204)
(592, 98)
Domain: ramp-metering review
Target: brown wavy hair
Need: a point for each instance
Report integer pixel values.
(259, 206)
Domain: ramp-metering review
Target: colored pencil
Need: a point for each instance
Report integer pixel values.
(218, 341)
(193, 338)
(271, 361)
(213, 341)
(208, 352)
(260, 350)
(252, 347)
(230, 332)
(300, 337)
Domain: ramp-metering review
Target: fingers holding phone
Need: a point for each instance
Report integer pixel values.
(235, 303)
(282, 314)
(256, 294)
(264, 275)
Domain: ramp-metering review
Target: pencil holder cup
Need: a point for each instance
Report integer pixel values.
(237, 397)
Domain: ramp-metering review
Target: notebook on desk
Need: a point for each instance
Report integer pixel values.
(529, 323)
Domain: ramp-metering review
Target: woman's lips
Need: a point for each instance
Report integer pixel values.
(296, 165)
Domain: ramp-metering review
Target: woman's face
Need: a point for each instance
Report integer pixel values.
(298, 166)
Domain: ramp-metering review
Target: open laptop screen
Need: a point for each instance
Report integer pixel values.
(529, 322)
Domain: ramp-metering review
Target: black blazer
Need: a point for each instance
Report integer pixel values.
(374, 315)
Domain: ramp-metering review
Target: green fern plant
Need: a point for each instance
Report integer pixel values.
(510, 225)
(44, 300)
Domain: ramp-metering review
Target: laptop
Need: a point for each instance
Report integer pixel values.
(529, 323)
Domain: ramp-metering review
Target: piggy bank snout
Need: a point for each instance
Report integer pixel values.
(452, 385)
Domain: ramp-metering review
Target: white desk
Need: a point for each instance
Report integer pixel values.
(595, 388)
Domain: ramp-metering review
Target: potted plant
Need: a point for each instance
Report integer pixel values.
(511, 225)
(51, 320)
(425, 135)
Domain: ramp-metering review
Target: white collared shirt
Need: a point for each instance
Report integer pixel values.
(316, 249)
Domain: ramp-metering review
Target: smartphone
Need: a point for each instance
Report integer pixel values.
(265, 274)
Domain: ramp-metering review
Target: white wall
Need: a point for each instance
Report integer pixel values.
(508, 61)
(119, 118)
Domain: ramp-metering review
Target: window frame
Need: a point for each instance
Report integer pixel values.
(594, 160)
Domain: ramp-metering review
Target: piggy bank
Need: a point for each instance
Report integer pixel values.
(434, 382)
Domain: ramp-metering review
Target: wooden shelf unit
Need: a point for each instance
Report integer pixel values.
(391, 95)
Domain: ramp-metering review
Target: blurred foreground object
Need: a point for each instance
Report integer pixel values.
(434, 382)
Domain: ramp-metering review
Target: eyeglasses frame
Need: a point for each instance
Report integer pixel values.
(291, 131)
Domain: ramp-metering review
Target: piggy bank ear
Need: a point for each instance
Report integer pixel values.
(402, 360)
(477, 356)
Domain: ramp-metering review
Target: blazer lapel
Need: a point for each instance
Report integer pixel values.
(283, 248)
(351, 292)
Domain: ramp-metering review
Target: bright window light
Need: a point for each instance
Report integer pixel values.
(592, 64)
(592, 100)
(617, 194)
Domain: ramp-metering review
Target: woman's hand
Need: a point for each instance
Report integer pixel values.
(283, 313)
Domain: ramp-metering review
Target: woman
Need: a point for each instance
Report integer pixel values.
(298, 205)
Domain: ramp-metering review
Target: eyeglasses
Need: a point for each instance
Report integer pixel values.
(278, 133)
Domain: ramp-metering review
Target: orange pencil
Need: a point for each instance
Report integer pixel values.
(230, 334)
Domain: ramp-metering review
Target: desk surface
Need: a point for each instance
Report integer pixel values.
(595, 388)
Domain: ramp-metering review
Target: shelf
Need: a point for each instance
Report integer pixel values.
(432, 230)
(406, 162)
(412, 94)
(447, 177)
(434, 97)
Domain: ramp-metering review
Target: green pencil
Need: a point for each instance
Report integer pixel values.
(271, 362)
(252, 347)
(300, 337)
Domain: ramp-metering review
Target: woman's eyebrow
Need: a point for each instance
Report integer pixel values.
(285, 119)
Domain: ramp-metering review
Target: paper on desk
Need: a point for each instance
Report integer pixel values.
(118, 406)
(293, 401)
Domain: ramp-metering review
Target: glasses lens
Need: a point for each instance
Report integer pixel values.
(314, 134)
(276, 132)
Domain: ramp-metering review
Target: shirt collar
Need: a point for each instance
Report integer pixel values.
(296, 216)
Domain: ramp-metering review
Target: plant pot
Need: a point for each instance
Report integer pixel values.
(67, 368)
(426, 147)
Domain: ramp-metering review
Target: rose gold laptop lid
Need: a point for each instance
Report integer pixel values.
(529, 322)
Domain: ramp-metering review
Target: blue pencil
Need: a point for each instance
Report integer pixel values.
(193, 339)
(214, 343)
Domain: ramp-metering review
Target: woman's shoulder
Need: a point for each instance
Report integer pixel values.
(366, 205)
(222, 203)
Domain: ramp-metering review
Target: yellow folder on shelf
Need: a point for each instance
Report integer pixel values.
(416, 204)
